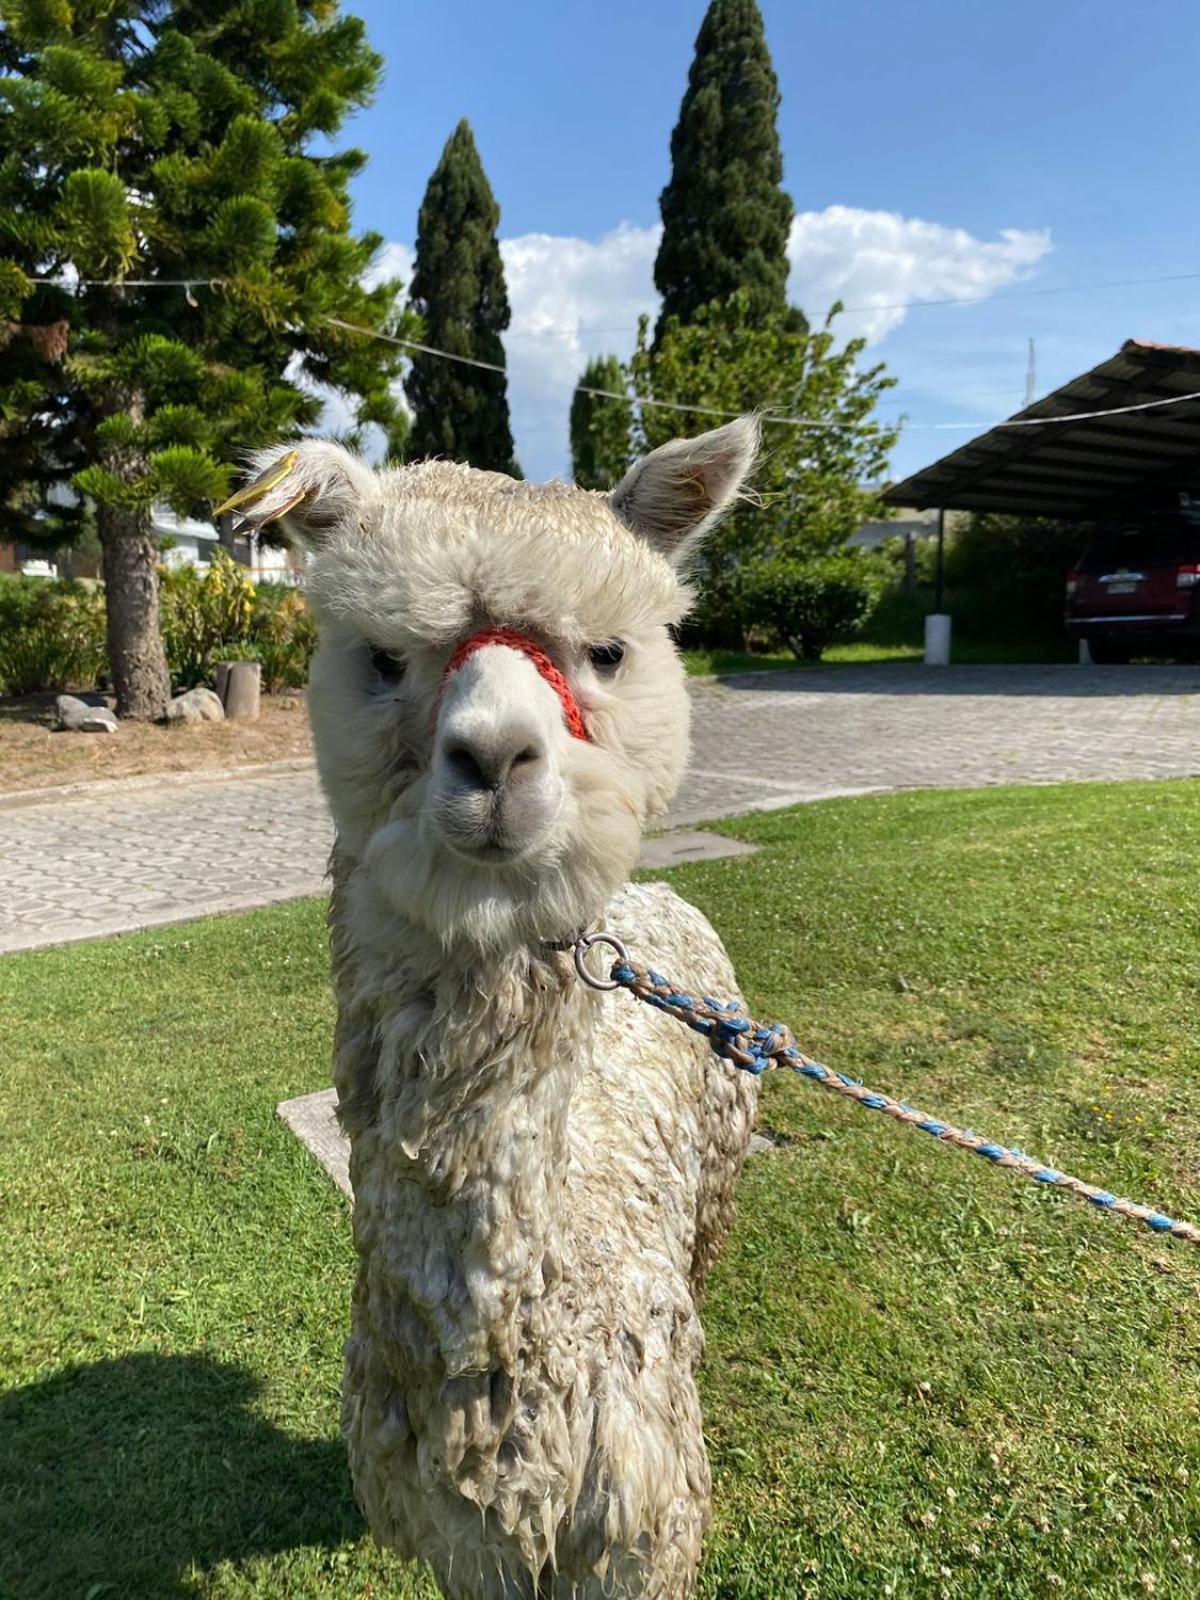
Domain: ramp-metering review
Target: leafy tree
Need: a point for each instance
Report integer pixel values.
(600, 428)
(725, 215)
(148, 141)
(815, 480)
(460, 411)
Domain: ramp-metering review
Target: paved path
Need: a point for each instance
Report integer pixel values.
(136, 855)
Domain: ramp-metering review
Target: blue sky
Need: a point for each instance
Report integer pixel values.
(930, 149)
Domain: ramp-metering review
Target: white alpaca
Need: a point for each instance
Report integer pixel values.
(542, 1175)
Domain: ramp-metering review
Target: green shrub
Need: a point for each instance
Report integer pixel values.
(808, 605)
(51, 635)
(283, 634)
(1017, 566)
(52, 630)
(899, 617)
(220, 616)
(202, 615)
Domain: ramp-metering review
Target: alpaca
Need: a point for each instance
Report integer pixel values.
(542, 1174)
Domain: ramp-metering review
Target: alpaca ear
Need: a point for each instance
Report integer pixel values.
(311, 490)
(673, 496)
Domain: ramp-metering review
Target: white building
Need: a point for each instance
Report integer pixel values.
(188, 542)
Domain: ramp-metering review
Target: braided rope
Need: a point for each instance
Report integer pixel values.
(755, 1048)
(516, 640)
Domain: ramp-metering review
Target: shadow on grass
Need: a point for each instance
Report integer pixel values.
(117, 1478)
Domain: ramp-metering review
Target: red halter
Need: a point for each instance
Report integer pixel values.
(515, 640)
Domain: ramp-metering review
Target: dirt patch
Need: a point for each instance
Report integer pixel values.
(33, 756)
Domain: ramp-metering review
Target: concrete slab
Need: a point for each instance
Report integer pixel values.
(673, 849)
(312, 1118)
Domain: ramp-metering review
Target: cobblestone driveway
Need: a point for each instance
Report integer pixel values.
(136, 855)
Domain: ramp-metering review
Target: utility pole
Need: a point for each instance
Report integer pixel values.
(1031, 375)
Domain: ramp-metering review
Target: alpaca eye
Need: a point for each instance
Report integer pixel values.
(388, 665)
(606, 657)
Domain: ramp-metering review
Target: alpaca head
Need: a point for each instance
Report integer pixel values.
(497, 705)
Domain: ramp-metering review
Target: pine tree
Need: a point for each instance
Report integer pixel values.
(170, 140)
(600, 449)
(460, 412)
(725, 215)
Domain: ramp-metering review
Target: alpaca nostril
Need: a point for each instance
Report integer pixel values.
(468, 769)
(480, 764)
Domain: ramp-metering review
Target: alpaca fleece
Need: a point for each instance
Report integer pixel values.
(542, 1174)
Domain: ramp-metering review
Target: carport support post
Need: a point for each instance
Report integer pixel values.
(937, 626)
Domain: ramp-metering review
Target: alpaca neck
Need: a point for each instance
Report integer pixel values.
(466, 1155)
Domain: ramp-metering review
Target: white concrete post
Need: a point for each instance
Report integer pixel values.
(242, 684)
(1085, 655)
(937, 640)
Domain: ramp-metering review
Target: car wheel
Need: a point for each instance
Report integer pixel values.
(1109, 652)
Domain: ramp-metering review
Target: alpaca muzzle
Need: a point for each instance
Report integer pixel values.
(497, 789)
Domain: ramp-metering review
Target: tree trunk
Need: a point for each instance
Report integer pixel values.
(136, 657)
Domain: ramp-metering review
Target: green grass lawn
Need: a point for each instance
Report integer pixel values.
(862, 652)
(707, 663)
(924, 1377)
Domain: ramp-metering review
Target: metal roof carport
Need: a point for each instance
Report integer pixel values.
(1057, 458)
(1075, 468)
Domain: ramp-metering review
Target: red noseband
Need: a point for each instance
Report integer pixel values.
(515, 640)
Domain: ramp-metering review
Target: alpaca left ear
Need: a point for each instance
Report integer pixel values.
(673, 496)
(312, 490)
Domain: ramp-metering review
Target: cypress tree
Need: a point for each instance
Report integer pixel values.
(725, 214)
(600, 449)
(169, 140)
(460, 412)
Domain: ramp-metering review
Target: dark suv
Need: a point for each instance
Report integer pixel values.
(1135, 591)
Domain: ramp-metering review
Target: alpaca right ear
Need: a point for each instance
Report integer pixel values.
(673, 496)
(310, 490)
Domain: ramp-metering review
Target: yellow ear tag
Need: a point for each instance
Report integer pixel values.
(262, 485)
(274, 514)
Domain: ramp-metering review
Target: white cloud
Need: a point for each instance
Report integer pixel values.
(393, 261)
(575, 298)
(570, 299)
(879, 259)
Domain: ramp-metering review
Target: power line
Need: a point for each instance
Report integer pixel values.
(580, 388)
(916, 305)
(1025, 294)
(767, 416)
(566, 333)
(764, 414)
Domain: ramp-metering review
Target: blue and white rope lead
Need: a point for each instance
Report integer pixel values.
(749, 1045)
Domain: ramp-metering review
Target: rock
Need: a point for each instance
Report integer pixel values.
(84, 716)
(197, 705)
(69, 709)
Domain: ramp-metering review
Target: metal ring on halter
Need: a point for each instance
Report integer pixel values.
(583, 944)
